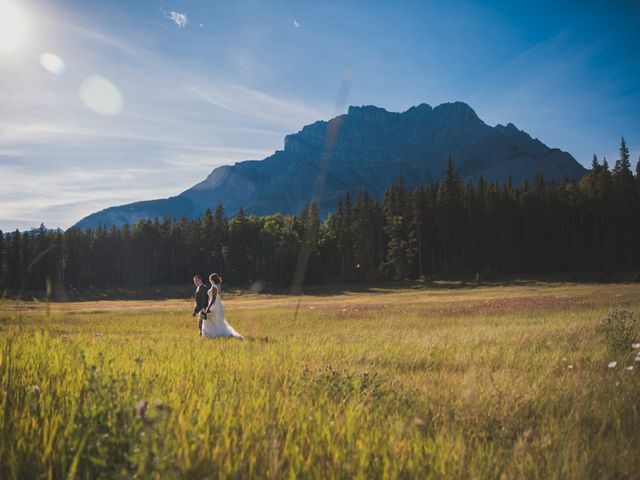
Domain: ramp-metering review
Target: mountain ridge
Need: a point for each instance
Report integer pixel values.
(367, 148)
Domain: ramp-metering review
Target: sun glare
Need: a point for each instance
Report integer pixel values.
(52, 63)
(101, 96)
(14, 27)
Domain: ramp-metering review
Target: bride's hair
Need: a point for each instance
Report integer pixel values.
(215, 278)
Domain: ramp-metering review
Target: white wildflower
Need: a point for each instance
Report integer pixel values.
(613, 364)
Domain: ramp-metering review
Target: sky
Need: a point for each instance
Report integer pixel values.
(106, 102)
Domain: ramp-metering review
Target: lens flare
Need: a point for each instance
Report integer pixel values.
(101, 96)
(14, 27)
(52, 63)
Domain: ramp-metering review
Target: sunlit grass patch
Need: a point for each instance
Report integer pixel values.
(476, 383)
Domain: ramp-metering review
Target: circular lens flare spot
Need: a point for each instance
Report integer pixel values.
(101, 96)
(14, 27)
(52, 63)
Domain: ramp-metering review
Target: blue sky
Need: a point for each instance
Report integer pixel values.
(191, 85)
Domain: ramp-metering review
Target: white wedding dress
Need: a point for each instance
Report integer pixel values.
(215, 325)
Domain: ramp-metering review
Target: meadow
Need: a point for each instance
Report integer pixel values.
(497, 381)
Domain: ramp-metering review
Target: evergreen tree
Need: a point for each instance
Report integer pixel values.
(622, 166)
(208, 242)
(220, 235)
(399, 228)
(14, 260)
(450, 216)
(237, 252)
(420, 219)
(344, 237)
(2, 257)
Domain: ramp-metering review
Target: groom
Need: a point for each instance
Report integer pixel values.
(201, 299)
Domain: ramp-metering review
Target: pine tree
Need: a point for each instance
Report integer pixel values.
(2, 259)
(399, 228)
(14, 262)
(344, 237)
(623, 166)
(220, 236)
(308, 260)
(237, 252)
(450, 215)
(623, 179)
(419, 225)
(207, 242)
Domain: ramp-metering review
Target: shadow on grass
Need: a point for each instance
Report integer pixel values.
(164, 292)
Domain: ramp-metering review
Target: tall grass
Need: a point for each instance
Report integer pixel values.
(508, 382)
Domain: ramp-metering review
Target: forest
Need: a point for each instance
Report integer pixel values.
(443, 228)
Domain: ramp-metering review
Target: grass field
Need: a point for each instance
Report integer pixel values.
(486, 382)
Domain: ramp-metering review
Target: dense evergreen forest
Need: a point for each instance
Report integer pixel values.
(442, 228)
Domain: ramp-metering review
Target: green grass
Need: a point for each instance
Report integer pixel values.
(489, 382)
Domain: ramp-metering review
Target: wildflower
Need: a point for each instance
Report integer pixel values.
(141, 409)
(635, 345)
(637, 359)
(613, 364)
(630, 367)
(570, 367)
(417, 422)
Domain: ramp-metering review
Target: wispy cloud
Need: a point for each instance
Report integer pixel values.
(256, 105)
(296, 24)
(180, 19)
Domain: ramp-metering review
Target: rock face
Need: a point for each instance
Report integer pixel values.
(368, 148)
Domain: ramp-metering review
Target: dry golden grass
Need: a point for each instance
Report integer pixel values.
(477, 382)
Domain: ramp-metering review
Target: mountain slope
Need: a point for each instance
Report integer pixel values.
(366, 148)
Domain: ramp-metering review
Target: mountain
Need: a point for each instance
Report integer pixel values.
(367, 148)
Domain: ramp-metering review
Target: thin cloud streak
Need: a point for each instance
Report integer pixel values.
(251, 103)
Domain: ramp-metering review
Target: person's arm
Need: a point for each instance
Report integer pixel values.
(213, 299)
(198, 307)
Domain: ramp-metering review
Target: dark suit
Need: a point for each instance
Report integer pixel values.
(202, 299)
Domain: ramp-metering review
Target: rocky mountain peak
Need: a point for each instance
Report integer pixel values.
(367, 148)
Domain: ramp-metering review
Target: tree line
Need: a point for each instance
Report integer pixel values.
(443, 228)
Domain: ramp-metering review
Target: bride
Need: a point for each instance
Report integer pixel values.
(215, 325)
